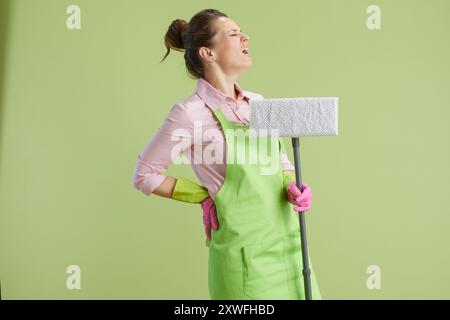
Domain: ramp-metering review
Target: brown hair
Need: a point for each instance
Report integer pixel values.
(189, 37)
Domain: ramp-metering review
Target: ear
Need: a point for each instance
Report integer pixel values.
(206, 54)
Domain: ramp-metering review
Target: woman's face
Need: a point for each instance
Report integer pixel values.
(229, 45)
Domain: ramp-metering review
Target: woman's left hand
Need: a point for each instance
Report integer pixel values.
(209, 216)
(301, 199)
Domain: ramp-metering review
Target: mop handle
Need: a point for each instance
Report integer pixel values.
(298, 177)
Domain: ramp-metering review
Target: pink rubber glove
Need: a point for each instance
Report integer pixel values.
(300, 198)
(209, 216)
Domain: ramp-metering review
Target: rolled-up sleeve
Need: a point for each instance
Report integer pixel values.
(173, 136)
(285, 163)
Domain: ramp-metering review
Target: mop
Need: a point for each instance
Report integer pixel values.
(296, 117)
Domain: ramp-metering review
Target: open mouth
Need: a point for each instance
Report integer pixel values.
(245, 51)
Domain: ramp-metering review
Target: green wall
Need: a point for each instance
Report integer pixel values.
(78, 106)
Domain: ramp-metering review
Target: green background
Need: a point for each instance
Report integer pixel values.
(78, 106)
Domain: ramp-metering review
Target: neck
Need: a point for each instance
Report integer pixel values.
(222, 82)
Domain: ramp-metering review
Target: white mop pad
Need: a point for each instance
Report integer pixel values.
(294, 117)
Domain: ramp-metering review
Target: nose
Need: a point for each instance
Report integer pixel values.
(245, 37)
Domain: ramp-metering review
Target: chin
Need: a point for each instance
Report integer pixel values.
(248, 64)
(244, 66)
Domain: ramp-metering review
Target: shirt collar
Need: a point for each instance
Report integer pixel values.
(213, 97)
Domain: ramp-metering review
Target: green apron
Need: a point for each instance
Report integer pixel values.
(256, 252)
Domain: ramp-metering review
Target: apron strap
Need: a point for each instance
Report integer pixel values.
(221, 117)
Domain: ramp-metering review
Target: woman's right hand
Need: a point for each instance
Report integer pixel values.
(209, 216)
(300, 198)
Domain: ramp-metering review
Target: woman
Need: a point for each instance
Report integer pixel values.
(254, 248)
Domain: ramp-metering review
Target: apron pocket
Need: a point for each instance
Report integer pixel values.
(264, 268)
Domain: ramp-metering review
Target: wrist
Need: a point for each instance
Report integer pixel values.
(188, 191)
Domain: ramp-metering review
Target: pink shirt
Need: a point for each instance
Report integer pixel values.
(156, 157)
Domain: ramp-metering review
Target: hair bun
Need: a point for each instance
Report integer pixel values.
(188, 37)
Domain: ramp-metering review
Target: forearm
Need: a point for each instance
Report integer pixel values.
(165, 189)
(288, 177)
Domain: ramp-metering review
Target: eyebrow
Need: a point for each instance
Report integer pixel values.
(234, 30)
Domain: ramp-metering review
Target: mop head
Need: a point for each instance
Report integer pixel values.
(294, 117)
